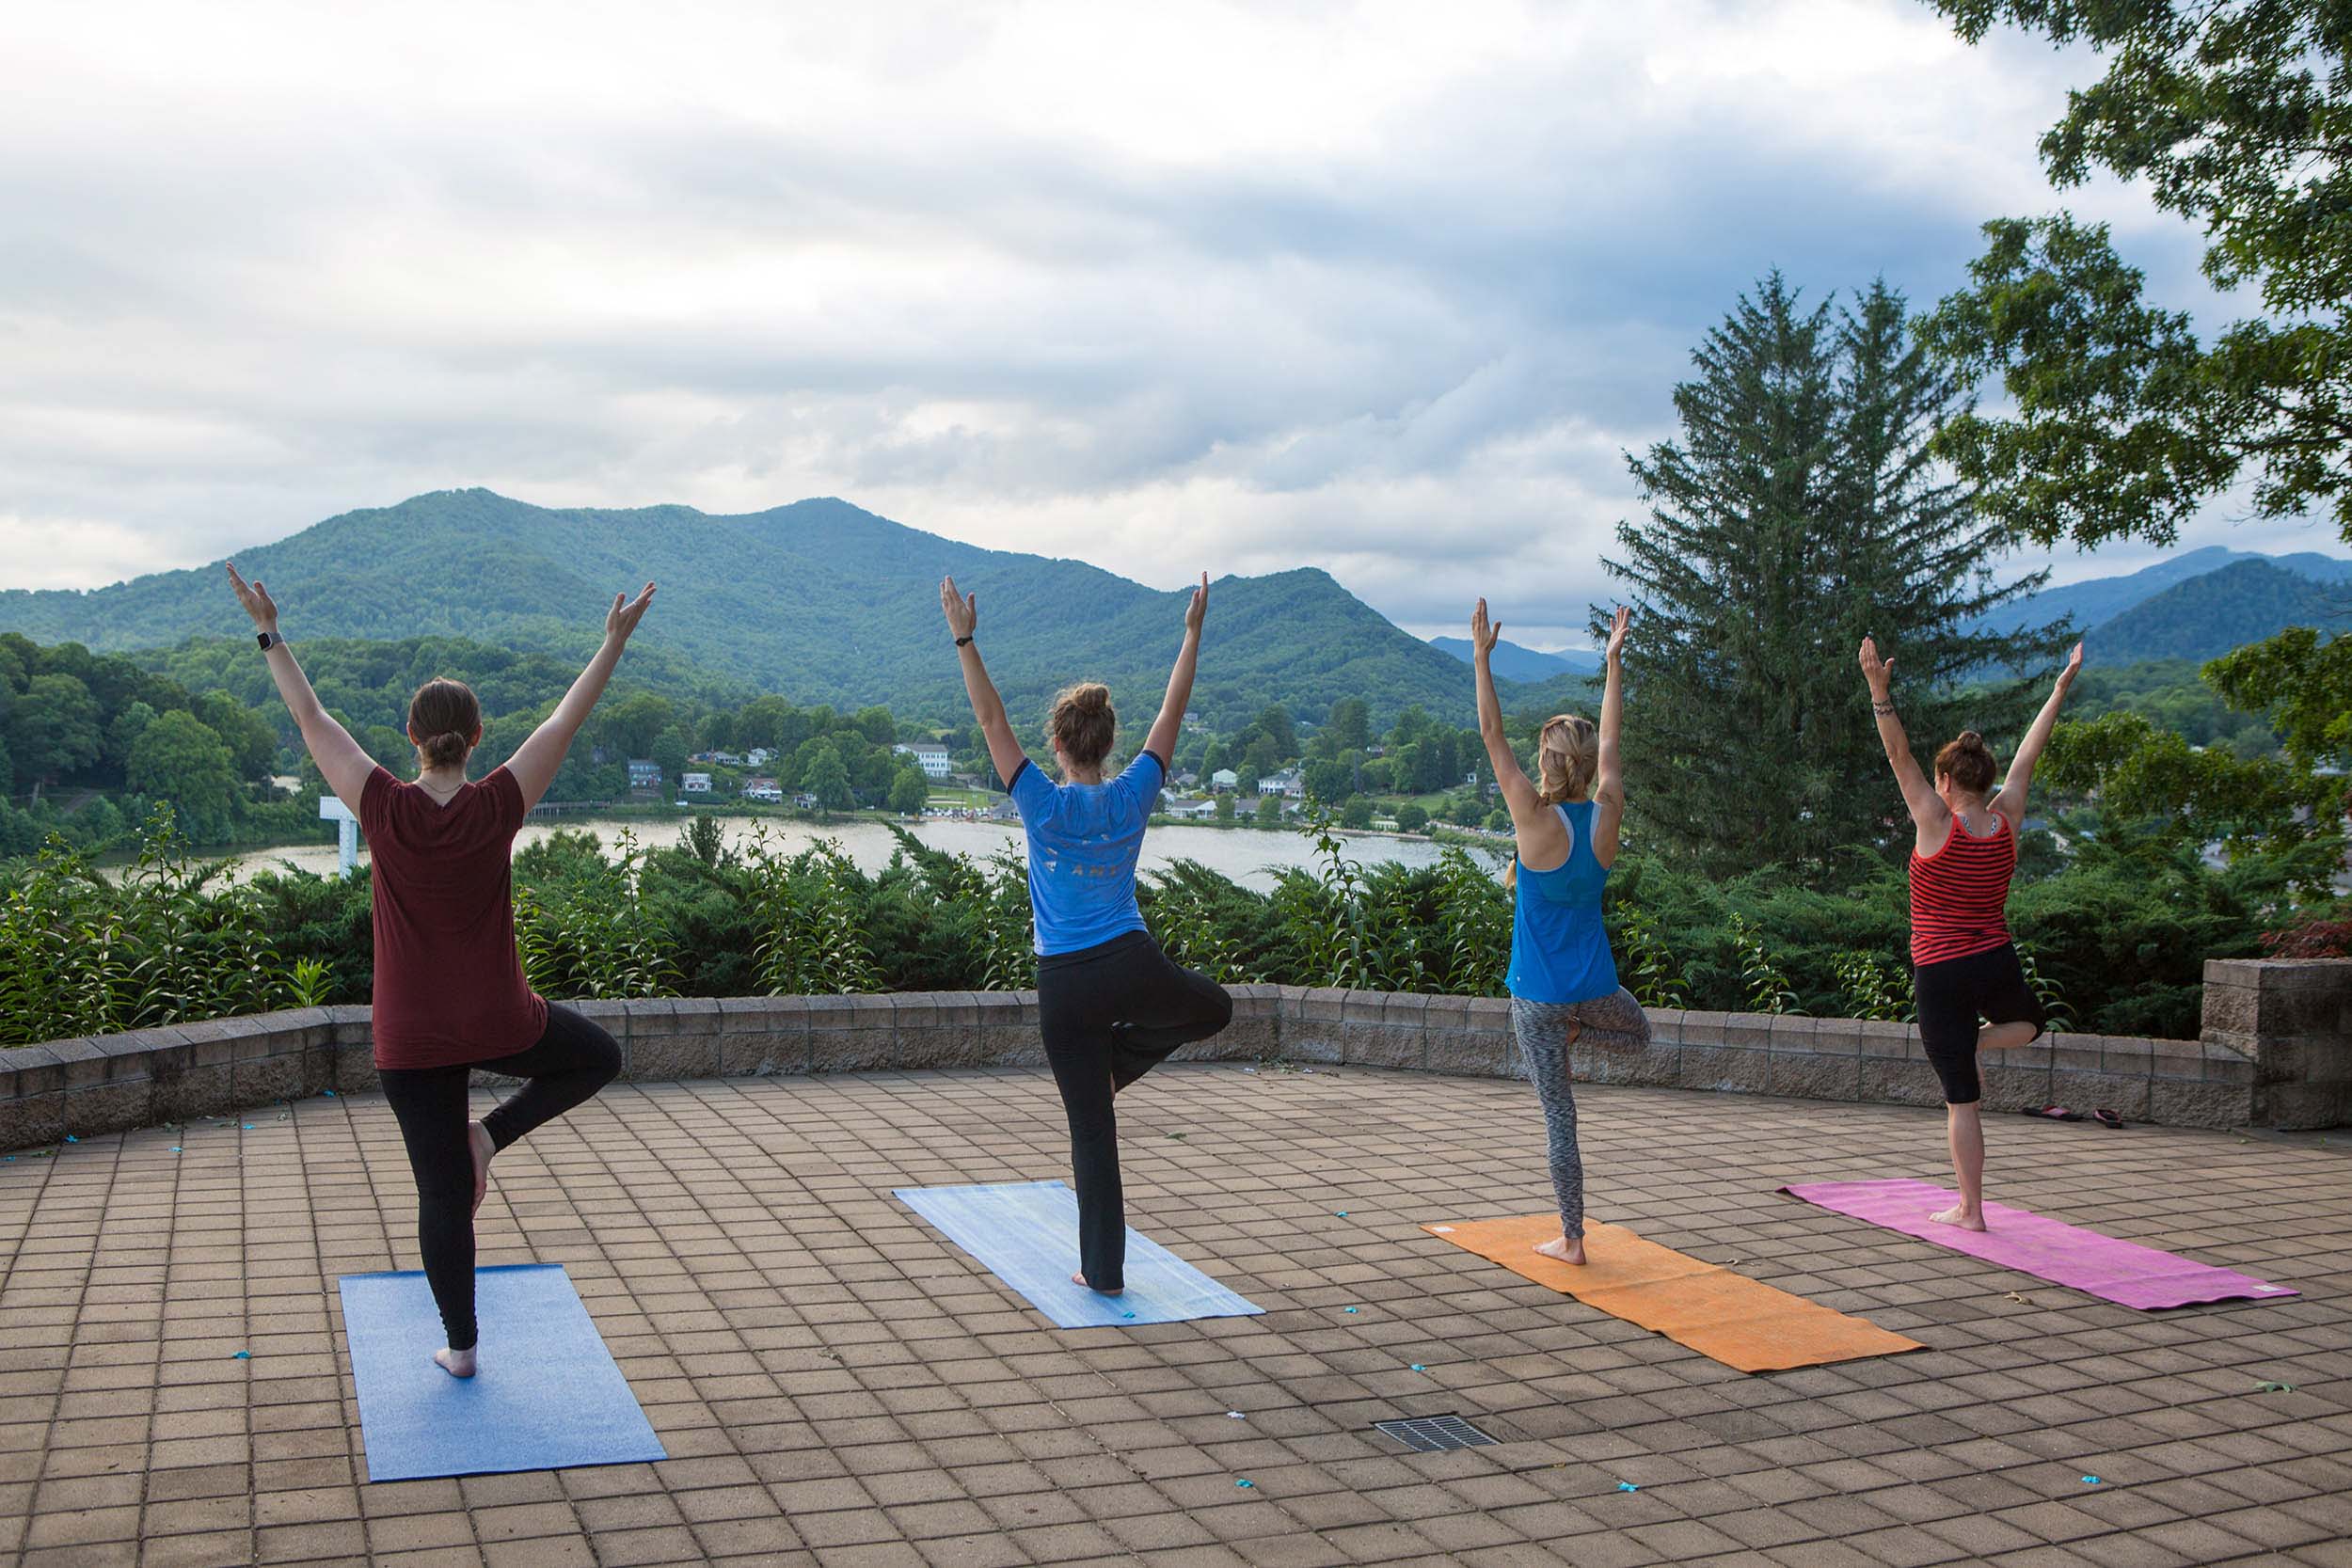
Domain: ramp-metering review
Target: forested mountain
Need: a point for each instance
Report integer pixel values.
(1514, 663)
(2095, 601)
(2208, 615)
(818, 600)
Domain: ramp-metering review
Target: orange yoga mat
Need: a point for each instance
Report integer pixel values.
(1739, 1321)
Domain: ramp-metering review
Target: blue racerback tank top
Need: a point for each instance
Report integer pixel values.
(1558, 950)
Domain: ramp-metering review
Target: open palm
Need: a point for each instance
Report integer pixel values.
(623, 617)
(255, 599)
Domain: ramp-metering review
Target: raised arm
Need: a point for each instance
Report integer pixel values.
(1161, 742)
(1926, 808)
(535, 760)
(2011, 801)
(963, 614)
(1609, 782)
(1518, 796)
(343, 763)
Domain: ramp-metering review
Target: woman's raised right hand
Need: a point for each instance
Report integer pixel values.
(962, 609)
(256, 600)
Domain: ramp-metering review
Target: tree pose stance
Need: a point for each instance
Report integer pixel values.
(1563, 980)
(1964, 964)
(1110, 1005)
(450, 993)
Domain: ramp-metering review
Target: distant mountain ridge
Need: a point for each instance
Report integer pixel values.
(1513, 662)
(2207, 615)
(2095, 601)
(819, 600)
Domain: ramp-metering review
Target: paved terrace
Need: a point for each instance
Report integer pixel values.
(836, 1385)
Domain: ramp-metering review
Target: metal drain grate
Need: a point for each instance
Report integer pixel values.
(1429, 1433)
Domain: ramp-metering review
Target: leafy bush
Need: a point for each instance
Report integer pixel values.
(2117, 935)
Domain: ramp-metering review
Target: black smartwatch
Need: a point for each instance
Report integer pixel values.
(962, 640)
(269, 640)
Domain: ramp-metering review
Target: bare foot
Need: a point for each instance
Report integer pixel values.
(1961, 1215)
(478, 1138)
(457, 1363)
(1081, 1279)
(1564, 1249)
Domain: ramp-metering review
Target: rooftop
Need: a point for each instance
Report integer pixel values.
(835, 1383)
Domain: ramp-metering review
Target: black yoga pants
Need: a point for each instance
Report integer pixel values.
(1952, 995)
(573, 1059)
(1110, 1014)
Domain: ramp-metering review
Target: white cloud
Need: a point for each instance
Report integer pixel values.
(1382, 288)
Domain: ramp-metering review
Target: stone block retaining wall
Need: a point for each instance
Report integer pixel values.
(2277, 1052)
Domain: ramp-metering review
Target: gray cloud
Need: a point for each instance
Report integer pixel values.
(1210, 286)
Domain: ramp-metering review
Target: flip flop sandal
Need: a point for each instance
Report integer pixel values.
(2105, 1117)
(2054, 1113)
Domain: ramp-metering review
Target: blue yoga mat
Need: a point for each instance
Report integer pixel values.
(548, 1394)
(1026, 1233)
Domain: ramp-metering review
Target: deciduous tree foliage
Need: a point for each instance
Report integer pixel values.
(2238, 116)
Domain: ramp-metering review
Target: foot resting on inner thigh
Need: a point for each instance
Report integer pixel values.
(457, 1363)
(1566, 1251)
(478, 1139)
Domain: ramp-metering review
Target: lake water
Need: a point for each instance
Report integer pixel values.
(1249, 856)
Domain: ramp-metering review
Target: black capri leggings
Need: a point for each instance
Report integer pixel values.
(1111, 1013)
(1952, 995)
(573, 1059)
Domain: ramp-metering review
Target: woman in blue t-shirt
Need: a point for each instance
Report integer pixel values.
(1110, 1005)
(1562, 981)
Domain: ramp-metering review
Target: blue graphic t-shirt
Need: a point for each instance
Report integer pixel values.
(1084, 841)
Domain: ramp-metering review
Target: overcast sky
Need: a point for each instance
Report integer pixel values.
(1388, 290)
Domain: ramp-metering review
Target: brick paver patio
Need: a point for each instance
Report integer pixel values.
(836, 1384)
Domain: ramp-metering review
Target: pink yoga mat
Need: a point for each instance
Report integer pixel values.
(2121, 1271)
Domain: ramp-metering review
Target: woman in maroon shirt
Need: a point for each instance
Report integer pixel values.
(450, 993)
(1963, 965)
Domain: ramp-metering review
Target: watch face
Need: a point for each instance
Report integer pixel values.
(264, 639)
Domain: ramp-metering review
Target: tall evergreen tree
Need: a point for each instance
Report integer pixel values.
(1799, 512)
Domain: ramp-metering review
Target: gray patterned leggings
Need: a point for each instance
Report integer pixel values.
(1543, 1029)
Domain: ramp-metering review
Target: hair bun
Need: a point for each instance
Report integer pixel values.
(1971, 739)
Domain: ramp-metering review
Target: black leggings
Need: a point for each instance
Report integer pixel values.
(1952, 995)
(572, 1061)
(1111, 1013)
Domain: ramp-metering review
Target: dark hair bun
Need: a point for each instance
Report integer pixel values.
(1967, 761)
(1083, 722)
(444, 719)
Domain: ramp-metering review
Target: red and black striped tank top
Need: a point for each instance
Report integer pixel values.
(1959, 894)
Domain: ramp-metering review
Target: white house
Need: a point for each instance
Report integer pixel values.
(757, 756)
(696, 783)
(764, 789)
(930, 756)
(1285, 782)
(1191, 810)
(1224, 779)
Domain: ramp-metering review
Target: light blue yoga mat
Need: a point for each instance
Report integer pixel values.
(1026, 1233)
(547, 1396)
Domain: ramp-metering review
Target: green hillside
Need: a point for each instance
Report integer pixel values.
(2208, 615)
(818, 600)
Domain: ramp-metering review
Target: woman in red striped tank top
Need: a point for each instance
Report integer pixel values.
(1963, 965)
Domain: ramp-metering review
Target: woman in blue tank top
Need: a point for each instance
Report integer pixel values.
(1110, 1005)
(1562, 981)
